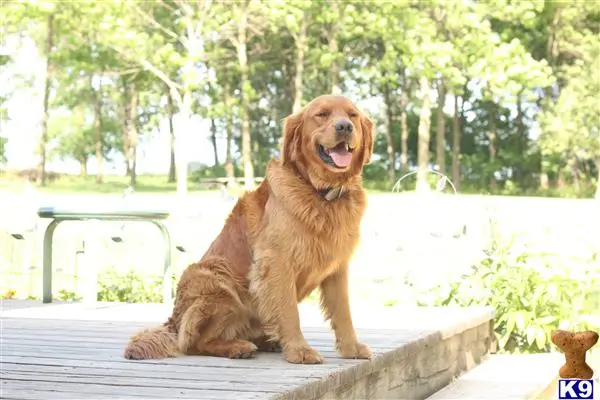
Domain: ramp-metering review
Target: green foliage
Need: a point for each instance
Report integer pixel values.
(571, 125)
(217, 171)
(126, 287)
(129, 288)
(497, 56)
(3, 142)
(532, 294)
(68, 296)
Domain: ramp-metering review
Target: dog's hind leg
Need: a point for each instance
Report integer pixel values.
(202, 332)
(235, 348)
(265, 344)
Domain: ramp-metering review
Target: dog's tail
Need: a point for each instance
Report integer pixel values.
(153, 343)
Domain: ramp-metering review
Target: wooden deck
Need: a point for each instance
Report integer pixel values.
(74, 351)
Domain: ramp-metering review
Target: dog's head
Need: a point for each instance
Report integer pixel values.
(329, 141)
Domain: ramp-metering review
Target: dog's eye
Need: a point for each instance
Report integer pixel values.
(323, 114)
(353, 115)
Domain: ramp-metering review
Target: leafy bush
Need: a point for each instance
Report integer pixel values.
(130, 288)
(532, 295)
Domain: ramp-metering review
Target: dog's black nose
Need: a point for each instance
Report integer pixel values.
(343, 126)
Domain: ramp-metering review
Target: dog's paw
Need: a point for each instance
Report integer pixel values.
(272, 347)
(264, 344)
(355, 350)
(303, 355)
(242, 350)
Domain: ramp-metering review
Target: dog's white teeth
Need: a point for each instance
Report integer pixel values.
(347, 147)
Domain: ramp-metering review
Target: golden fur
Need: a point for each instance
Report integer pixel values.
(278, 244)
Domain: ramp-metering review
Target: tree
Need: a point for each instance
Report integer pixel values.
(163, 37)
(505, 67)
(44, 133)
(170, 115)
(571, 125)
(297, 16)
(41, 20)
(245, 20)
(426, 54)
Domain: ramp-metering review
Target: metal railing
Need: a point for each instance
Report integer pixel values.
(125, 214)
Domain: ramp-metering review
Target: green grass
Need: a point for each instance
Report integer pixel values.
(117, 184)
(110, 184)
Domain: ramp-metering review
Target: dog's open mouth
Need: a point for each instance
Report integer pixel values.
(339, 156)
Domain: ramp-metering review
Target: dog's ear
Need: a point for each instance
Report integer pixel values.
(291, 139)
(367, 127)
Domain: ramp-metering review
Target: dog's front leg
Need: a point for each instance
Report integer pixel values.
(336, 307)
(274, 290)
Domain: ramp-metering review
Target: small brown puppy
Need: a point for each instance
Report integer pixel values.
(294, 233)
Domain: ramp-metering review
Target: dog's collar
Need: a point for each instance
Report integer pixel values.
(332, 194)
(329, 194)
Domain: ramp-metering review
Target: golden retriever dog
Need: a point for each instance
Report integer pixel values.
(296, 232)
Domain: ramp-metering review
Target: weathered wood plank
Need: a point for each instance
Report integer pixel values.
(16, 320)
(102, 325)
(106, 326)
(47, 349)
(76, 352)
(101, 342)
(14, 304)
(261, 360)
(11, 392)
(91, 334)
(86, 326)
(50, 329)
(69, 390)
(117, 348)
(39, 323)
(120, 340)
(197, 372)
(153, 382)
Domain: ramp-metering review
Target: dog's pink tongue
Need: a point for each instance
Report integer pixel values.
(340, 156)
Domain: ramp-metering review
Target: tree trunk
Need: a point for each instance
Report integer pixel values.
(597, 195)
(440, 139)
(41, 173)
(229, 170)
(334, 49)
(300, 50)
(97, 94)
(213, 139)
(181, 159)
(544, 179)
(125, 123)
(492, 148)
(492, 154)
(560, 178)
(521, 141)
(245, 83)
(389, 134)
(404, 133)
(456, 145)
(83, 166)
(552, 49)
(132, 136)
(424, 136)
(171, 112)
